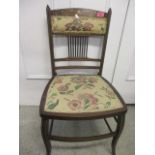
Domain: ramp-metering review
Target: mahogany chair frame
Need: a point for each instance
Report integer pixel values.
(47, 118)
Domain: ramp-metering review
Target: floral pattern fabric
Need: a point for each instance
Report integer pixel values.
(80, 93)
(71, 24)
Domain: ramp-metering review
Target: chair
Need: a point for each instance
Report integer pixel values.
(79, 96)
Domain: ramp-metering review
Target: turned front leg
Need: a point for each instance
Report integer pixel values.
(120, 125)
(44, 131)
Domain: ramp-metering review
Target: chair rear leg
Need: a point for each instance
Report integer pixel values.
(44, 131)
(119, 129)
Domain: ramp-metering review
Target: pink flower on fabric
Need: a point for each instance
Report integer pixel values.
(58, 80)
(100, 14)
(89, 97)
(88, 26)
(63, 87)
(78, 79)
(92, 80)
(75, 105)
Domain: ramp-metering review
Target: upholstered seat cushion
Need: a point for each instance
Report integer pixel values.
(79, 94)
(81, 25)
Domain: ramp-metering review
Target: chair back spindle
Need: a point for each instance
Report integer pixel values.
(77, 46)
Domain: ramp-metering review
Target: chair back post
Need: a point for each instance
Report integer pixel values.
(48, 13)
(105, 42)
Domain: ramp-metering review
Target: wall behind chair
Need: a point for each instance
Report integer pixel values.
(34, 48)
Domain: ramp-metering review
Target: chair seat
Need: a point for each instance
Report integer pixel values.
(81, 94)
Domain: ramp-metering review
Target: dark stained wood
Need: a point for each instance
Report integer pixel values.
(119, 129)
(51, 126)
(50, 40)
(81, 139)
(105, 41)
(44, 132)
(108, 125)
(82, 116)
(116, 119)
(77, 67)
(73, 11)
(77, 59)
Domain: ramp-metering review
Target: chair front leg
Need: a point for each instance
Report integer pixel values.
(120, 125)
(44, 131)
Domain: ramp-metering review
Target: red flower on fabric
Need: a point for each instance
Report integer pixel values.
(100, 14)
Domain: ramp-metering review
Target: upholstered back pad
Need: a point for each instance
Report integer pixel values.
(78, 24)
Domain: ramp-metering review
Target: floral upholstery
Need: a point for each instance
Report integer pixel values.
(83, 25)
(80, 93)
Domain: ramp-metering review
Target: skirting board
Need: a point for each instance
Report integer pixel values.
(38, 77)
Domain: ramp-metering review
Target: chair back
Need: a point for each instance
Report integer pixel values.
(77, 25)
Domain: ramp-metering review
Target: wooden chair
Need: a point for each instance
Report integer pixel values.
(79, 96)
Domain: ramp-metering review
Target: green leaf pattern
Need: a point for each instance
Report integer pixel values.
(52, 105)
